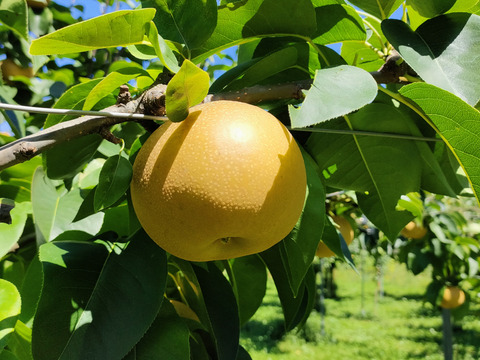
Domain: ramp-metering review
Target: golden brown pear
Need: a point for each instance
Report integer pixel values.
(452, 298)
(228, 181)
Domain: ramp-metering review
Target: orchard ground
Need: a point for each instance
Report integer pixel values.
(396, 327)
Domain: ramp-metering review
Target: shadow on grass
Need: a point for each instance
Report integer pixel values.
(263, 335)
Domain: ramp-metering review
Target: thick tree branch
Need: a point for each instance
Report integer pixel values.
(152, 102)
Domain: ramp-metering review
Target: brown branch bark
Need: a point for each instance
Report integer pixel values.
(152, 102)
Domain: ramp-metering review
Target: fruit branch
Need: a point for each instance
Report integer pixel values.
(148, 106)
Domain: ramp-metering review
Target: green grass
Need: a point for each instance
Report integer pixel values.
(397, 326)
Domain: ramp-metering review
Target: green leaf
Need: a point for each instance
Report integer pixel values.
(381, 9)
(241, 20)
(250, 284)
(187, 88)
(222, 310)
(337, 23)
(167, 338)
(54, 212)
(164, 53)
(110, 83)
(67, 159)
(98, 299)
(456, 122)
(185, 22)
(361, 55)
(11, 232)
(335, 92)
(14, 15)
(119, 28)
(113, 182)
(294, 307)
(10, 304)
(253, 72)
(298, 248)
(379, 169)
(444, 52)
(431, 8)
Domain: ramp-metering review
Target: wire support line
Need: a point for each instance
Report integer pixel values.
(41, 110)
(366, 133)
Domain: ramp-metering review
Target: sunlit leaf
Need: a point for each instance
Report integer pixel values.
(335, 92)
(119, 28)
(54, 212)
(185, 22)
(163, 52)
(187, 88)
(338, 23)
(444, 51)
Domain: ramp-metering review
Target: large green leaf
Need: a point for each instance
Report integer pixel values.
(338, 23)
(294, 306)
(250, 284)
(187, 88)
(382, 9)
(113, 182)
(256, 70)
(162, 50)
(444, 51)
(222, 310)
(184, 21)
(457, 123)
(298, 248)
(11, 232)
(98, 299)
(335, 92)
(13, 13)
(119, 28)
(10, 304)
(241, 20)
(54, 211)
(379, 169)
